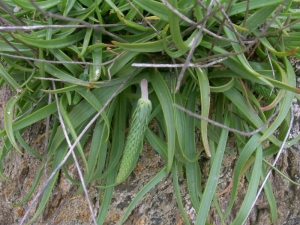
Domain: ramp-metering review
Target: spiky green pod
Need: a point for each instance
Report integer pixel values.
(262, 90)
(134, 142)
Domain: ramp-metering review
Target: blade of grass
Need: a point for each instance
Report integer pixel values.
(212, 182)
(165, 99)
(193, 173)
(178, 195)
(246, 152)
(154, 181)
(252, 188)
(205, 106)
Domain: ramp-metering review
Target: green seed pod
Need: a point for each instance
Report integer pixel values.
(135, 138)
(262, 90)
(134, 142)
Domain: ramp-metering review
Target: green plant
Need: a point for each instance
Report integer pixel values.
(193, 53)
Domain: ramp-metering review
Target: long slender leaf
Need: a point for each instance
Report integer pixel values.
(164, 96)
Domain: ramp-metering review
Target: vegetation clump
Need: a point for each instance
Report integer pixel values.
(77, 65)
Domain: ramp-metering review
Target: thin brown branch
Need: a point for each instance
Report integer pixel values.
(225, 127)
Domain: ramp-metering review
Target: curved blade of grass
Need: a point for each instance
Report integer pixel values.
(26, 4)
(107, 196)
(45, 83)
(75, 69)
(96, 71)
(280, 173)
(15, 65)
(58, 157)
(68, 176)
(114, 7)
(9, 80)
(205, 106)
(132, 24)
(56, 72)
(92, 99)
(8, 120)
(224, 87)
(174, 22)
(241, 6)
(152, 46)
(154, 181)
(267, 44)
(189, 136)
(260, 16)
(185, 130)
(286, 103)
(121, 61)
(174, 55)
(156, 8)
(214, 173)
(166, 102)
(193, 173)
(69, 126)
(32, 189)
(270, 196)
(246, 152)
(21, 47)
(69, 6)
(178, 194)
(26, 146)
(64, 89)
(54, 43)
(145, 36)
(33, 118)
(159, 145)
(252, 188)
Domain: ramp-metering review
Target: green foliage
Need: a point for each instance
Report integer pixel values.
(92, 55)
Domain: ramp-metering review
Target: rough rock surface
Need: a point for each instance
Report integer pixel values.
(159, 206)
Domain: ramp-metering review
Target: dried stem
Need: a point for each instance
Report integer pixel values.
(225, 127)
(144, 89)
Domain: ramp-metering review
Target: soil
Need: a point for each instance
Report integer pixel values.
(159, 206)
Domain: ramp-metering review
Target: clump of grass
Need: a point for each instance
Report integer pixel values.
(91, 56)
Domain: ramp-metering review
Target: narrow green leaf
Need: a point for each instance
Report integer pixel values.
(54, 43)
(10, 81)
(174, 22)
(58, 157)
(165, 99)
(33, 117)
(153, 46)
(69, 126)
(259, 17)
(205, 106)
(270, 196)
(155, 180)
(246, 152)
(156, 8)
(8, 121)
(178, 194)
(32, 189)
(252, 189)
(212, 182)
